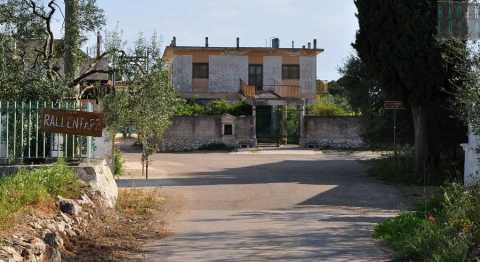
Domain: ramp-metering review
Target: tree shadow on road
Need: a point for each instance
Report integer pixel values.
(350, 185)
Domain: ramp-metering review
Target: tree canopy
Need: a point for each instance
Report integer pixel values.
(397, 42)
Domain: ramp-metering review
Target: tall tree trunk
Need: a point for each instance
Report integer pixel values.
(146, 167)
(72, 39)
(420, 123)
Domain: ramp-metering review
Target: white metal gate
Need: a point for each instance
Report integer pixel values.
(23, 142)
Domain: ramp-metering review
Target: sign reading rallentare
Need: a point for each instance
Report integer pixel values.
(73, 122)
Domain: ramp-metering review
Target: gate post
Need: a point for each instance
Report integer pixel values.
(284, 138)
(302, 124)
(254, 125)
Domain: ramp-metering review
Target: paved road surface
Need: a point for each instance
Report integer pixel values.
(269, 206)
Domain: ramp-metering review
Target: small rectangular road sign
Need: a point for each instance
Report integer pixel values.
(393, 105)
(73, 122)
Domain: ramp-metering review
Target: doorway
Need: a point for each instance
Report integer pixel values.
(269, 125)
(255, 76)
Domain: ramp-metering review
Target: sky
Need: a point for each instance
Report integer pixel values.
(332, 22)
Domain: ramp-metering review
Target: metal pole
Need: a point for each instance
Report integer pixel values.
(8, 107)
(1, 127)
(22, 143)
(74, 105)
(36, 132)
(395, 129)
(14, 130)
(44, 136)
(29, 129)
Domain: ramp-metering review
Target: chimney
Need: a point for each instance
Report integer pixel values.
(309, 45)
(99, 44)
(275, 43)
(206, 41)
(238, 42)
(174, 41)
(293, 44)
(315, 44)
(303, 46)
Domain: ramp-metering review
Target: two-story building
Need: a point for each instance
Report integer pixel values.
(268, 78)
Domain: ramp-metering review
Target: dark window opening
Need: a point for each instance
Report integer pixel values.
(291, 72)
(255, 76)
(228, 130)
(200, 71)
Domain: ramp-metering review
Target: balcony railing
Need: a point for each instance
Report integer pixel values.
(287, 91)
(247, 90)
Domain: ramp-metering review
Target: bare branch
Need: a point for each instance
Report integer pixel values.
(92, 67)
(87, 74)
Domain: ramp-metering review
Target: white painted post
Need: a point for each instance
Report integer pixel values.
(472, 159)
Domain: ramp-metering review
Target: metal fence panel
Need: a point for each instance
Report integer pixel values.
(23, 141)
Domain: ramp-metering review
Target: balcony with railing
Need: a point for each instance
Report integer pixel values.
(280, 91)
(287, 91)
(248, 91)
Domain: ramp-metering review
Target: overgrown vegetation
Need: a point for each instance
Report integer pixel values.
(365, 95)
(217, 107)
(324, 107)
(399, 168)
(414, 66)
(445, 230)
(118, 235)
(149, 101)
(118, 163)
(29, 188)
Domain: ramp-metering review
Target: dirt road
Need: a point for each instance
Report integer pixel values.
(294, 205)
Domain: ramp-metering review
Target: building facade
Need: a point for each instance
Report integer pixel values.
(270, 79)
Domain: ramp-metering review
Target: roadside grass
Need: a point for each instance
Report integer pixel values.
(118, 234)
(36, 188)
(118, 163)
(445, 230)
(399, 169)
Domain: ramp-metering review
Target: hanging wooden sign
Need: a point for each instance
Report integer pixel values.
(393, 105)
(73, 122)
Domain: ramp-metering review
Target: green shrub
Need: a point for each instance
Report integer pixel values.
(31, 187)
(398, 169)
(217, 107)
(330, 105)
(327, 110)
(445, 231)
(118, 163)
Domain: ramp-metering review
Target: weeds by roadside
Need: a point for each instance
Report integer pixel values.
(35, 188)
(446, 230)
(399, 168)
(118, 163)
(118, 235)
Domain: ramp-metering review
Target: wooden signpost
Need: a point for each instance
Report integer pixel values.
(395, 106)
(73, 122)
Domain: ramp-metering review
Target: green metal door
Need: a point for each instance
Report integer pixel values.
(269, 125)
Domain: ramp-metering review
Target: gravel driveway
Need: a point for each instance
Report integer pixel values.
(293, 205)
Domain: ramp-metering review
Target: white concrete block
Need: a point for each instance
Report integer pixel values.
(226, 72)
(272, 71)
(182, 73)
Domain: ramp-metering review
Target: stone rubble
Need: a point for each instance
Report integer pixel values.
(70, 221)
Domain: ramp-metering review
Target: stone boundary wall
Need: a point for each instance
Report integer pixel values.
(332, 132)
(193, 132)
